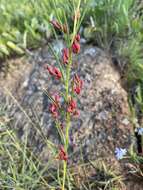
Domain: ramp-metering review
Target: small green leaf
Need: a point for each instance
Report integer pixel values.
(4, 49)
(15, 47)
(25, 39)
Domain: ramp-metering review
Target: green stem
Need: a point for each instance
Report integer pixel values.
(64, 174)
(68, 118)
(75, 22)
(67, 94)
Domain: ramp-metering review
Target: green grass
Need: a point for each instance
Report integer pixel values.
(116, 27)
(109, 19)
(22, 169)
(23, 24)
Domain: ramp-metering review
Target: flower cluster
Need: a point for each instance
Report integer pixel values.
(65, 55)
(64, 107)
(76, 44)
(54, 107)
(77, 84)
(54, 71)
(68, 107)
(72, 107)
(62, 154)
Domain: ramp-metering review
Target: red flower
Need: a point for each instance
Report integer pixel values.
(57, 73)
(78, 84)
(54, 110)
(72, 106)
(65, 55)
(75, 47)
(62, 154)
(50, 69)
(55, 106)
(77, 89)
(54, 72)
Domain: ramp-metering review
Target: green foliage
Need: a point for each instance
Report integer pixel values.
(110, 19)
(22, 169)
(117, 26)
(131, 51)
(23, 24)
(103, 176)
(137, 162)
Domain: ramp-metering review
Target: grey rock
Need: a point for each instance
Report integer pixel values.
(103, 105)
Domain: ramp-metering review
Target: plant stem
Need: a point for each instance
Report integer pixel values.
(64, 174)
(67, 96)
(68, 118)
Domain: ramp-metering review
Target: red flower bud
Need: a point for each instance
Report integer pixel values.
(57, 73)
(55, 106)
(54, 72)
(50, 69)
(78, 84)
(62, 154)
(77, 90)
(65, 55)
(54, 110)
(75, 47)
(77, 37)
(71, 106)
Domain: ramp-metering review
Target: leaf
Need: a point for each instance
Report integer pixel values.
(25, 39)
(8, 36)
(4, 49)
(32, 31)
(15, 47)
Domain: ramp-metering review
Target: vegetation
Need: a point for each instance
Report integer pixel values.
(23, 24)
(114, 25)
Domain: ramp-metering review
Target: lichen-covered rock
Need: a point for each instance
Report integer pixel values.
(104, 113)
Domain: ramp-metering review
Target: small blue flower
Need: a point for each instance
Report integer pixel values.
(120, 153)
(140, 131)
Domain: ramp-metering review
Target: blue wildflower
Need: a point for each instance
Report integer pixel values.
(120, 152)
(140, 131)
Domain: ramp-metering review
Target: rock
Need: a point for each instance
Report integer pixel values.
(105, 107)
(104, 112)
